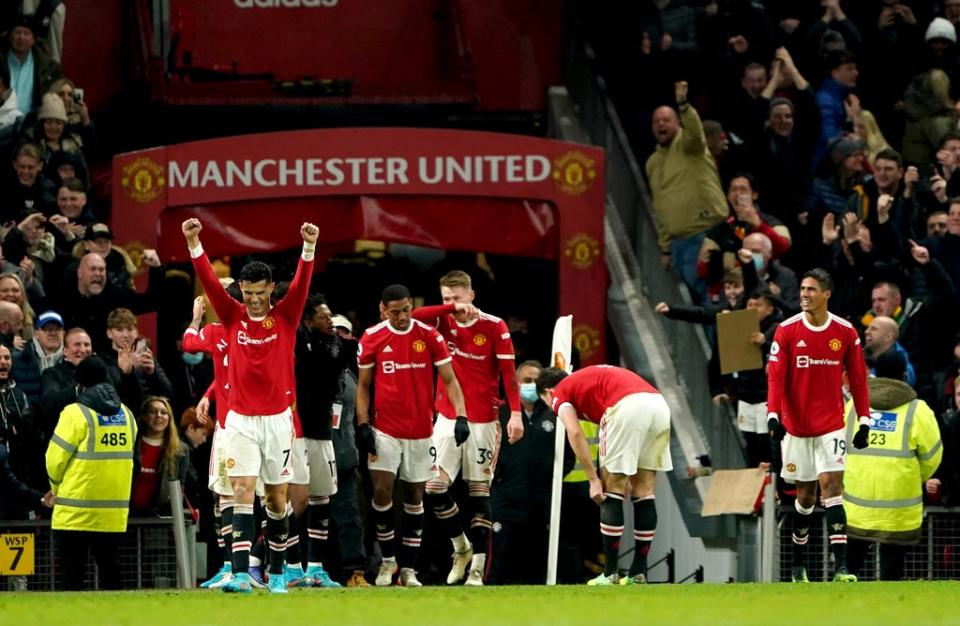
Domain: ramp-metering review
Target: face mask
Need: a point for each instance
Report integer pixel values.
(757, 261)
(193, 358)
(528, 392)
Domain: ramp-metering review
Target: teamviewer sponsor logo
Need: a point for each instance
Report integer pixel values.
(245, 340)
(805, 361)
(389, 367)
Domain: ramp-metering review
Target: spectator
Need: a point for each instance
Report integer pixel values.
(720, 245)
(92, 490)
(17, 434)
(38, 355)
(834, 98)
(16, 493)
(883, 484)
(946, 249)
(131, 366)
(944, 487)
(833, 32)
(36, 253)
(840, 172)
(781, 161)
(937, 223)
(58, 388)
(748, 107)
(49, 17)
(885, 206)
(940, 49)
(881, 336)
(951, 11)
(159, 457)
(11, 325)
(26, 187)
(687, 198)
(760, 269)
(98, 239)
(930, 116)
(89, 297)
(11, 290)
(50, 132)
(79, 124)
(66, 166)
(32, 69)
(10, 113)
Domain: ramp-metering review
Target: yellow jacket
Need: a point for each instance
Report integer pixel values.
(592, 433)
(90, 463)
(883, 483)
(684, 183)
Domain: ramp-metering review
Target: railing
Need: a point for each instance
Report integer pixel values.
(148, 556)
(935, 557)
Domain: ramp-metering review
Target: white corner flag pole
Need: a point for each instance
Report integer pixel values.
(561, 352)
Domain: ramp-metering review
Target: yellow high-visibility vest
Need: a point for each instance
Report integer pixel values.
(883, 483)
(90, 466)
(592, 432)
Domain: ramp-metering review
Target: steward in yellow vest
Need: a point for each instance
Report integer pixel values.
(90, 464)
(883, 483)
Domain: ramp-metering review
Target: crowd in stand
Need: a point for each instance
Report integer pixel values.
(792, 135)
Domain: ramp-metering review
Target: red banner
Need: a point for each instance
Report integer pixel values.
(506, 194)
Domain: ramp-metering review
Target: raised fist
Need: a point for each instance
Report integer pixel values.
(309, 232)
(191, 227)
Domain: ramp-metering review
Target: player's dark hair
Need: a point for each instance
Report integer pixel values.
(255, 271)
(310, 306)
(233, 290)
(549, 378)
(890, 364)
(953, 135)
(822, 277)
(836, 58)
(393, 293)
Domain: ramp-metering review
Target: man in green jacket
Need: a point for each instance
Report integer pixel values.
(685, 186)
(883, 483)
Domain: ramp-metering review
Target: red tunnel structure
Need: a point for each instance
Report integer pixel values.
(453, 190)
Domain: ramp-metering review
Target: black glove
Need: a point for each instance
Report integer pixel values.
(862, 439)
(461, 430)
(777, 431)
(366, 439)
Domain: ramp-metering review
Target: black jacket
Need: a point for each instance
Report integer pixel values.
(57, 390)
(344, 442)
(522, 481)
(17, 496)
(90, 312)
(318, 366)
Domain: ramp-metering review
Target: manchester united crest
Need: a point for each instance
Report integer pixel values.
(835, 345)
(574, 173)
(479, 339)
(143, 179)
(791, 467)
(268, 322)
(419, 346)
(582, 250)
(231, 463)
(587, 339)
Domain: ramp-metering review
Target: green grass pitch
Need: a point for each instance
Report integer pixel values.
(913, 603)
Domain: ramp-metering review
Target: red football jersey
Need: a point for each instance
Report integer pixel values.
(593, 390)
(212, 339)
(478, 347)
(805, 375)
(404, 360)
(260, 350)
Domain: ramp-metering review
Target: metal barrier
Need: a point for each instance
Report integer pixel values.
(148, 555)
(935, 557)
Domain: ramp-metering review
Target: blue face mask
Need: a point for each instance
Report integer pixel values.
(757, 262)
(192, 358)
(528, 392)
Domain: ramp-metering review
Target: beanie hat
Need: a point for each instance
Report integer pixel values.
(91, 371)
(52, 108)
(840, 148)
(941, 28)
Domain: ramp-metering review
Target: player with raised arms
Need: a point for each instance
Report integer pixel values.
(258, 437)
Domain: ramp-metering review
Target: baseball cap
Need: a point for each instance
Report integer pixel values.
(49, 317)
(96, 231)
(342, 322)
